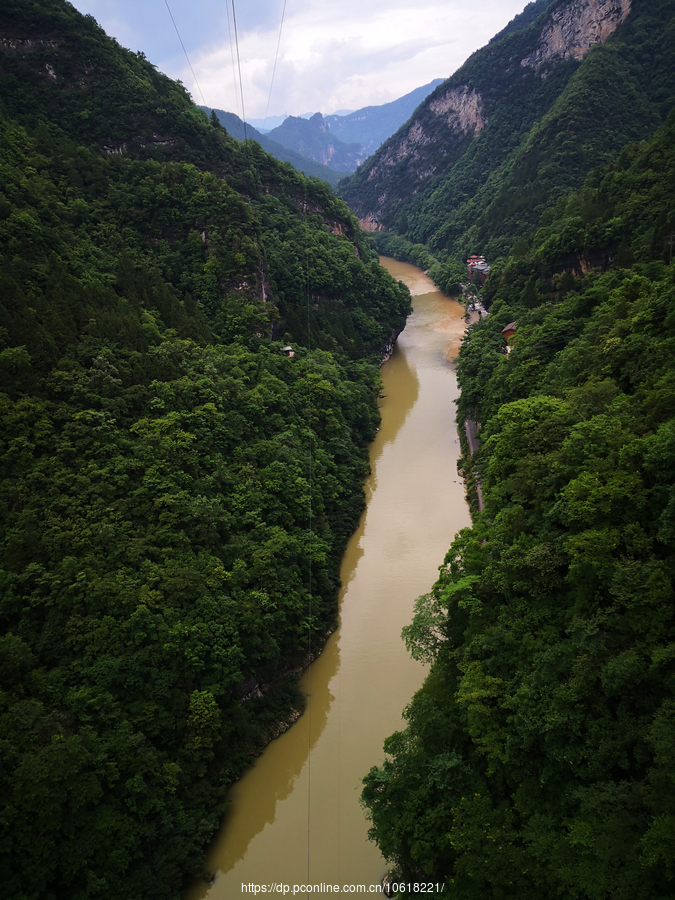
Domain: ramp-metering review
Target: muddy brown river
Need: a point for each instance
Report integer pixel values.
(295, 817)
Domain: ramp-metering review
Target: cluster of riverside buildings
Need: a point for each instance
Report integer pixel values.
(477, 264)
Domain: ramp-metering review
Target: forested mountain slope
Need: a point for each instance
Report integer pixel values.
(162, 459)
(538, 757)
(520, 123)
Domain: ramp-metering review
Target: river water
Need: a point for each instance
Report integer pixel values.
(295, 816)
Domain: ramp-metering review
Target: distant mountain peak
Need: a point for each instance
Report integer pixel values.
(354, 135)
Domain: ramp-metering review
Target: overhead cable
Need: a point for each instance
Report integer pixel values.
(241, 84)
(274, 69)
(185, 51)
(234, 71)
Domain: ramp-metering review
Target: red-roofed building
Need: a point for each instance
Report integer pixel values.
(477, 264)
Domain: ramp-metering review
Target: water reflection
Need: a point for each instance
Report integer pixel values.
(255, 797)
(400, 391)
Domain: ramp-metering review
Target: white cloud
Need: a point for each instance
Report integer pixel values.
(332, 56)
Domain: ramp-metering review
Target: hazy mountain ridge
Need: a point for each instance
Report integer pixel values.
(314, 139)
(372, 125)
(598, 72)
(329, 147)
(235, 126)
(345, 141)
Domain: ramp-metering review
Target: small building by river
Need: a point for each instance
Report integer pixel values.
(508, 333)
(477, 265)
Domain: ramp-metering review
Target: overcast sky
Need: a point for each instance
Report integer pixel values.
(333, 55)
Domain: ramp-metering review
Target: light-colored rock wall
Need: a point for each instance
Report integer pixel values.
(574, 28)
(461, 108)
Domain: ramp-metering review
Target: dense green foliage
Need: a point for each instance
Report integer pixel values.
(175, 492)
(545, 131)
(538, 757)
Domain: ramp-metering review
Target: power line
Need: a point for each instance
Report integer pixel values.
(274, 69)
(241, 84)
(234, 71)
(185, 51)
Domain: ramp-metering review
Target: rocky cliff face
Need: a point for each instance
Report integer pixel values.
(574, 28)
(523, 120)
(456, 112)
(462, 109)
(458, 107)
